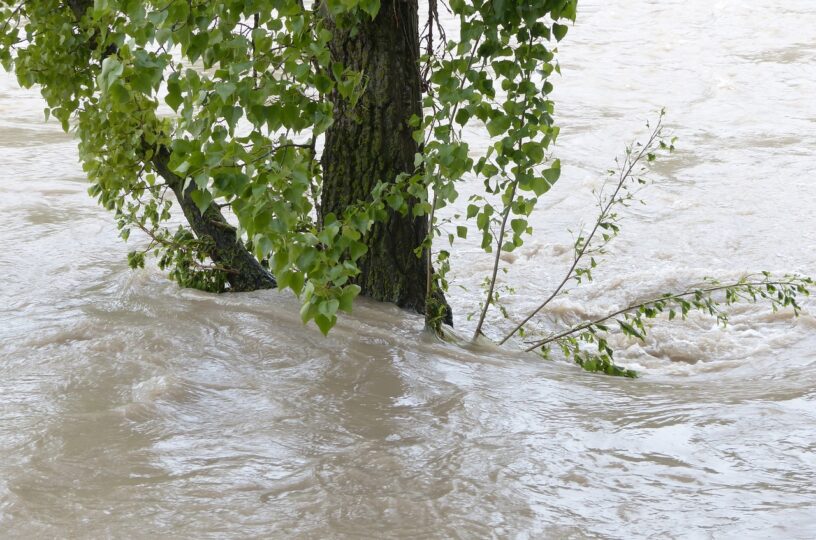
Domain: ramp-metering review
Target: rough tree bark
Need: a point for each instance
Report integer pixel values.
(245, 272)
(374, 143)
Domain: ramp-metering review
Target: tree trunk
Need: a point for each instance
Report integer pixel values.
(374, 143)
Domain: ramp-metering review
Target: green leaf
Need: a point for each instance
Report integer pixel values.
(372, 7)
(225, 90)
(462, 117)
(325, 323)
(112, 69)
(559, 31)
(540, 185)
(498, 125)
(631, 330)
(350, 292)
(519, 226)
(202, 199)
(173, 98)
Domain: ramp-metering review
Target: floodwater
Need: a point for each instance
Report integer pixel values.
(132, 409)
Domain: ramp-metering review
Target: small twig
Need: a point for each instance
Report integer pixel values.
(431, 217)
(502, 229)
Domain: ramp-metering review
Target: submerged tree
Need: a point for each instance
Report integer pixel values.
(306, 122)
(309, 145)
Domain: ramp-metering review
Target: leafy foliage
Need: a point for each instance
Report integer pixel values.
(236, 94)
(190, 109)
(710, 298)
(495, 75)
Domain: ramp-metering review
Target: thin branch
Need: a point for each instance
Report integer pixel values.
(665, 298)
(625, 174)
(13, 15)
(496, 261)
(503, 229)
(431, 217)
(180, 247)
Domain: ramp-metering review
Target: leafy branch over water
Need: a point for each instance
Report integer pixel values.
(712, 297)
(631, 320)
(259, 88)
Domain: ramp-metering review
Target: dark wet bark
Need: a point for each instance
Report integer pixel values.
(245, 272)
(374, 143)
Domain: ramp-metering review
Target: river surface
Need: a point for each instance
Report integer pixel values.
(132, 409)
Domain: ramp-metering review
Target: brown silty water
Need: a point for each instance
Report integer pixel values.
(132, 409)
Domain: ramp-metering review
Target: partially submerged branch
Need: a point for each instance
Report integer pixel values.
(585, 246)
(226, 250)
(712, 299)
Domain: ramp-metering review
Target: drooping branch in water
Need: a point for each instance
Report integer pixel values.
(781, 294)
(631, 320)
(241, 269)
(244, 273)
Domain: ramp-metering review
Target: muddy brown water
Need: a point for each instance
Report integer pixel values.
(132, 409)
